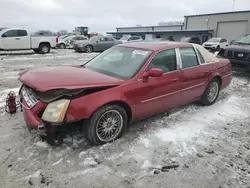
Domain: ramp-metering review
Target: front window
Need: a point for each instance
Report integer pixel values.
(120, 62)
(214, 40)
(93, 39)
(243, 40)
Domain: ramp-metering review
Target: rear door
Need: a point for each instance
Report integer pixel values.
(162, 93)
(102, 44)
(23, 39)
(194, 74)
(110, 42)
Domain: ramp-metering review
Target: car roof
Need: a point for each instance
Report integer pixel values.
(156, 45)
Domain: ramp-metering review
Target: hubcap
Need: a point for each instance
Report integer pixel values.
(213, 91)
(109, 125)
(45, 49)
(88, 49)
(62, 46)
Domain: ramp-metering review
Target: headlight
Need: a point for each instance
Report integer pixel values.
(55, 111)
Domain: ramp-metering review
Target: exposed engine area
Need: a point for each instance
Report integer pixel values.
(55, 94)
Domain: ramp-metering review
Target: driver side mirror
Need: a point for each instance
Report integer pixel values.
(154, 72)
(4, 36)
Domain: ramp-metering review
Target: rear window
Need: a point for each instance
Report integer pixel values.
(22, 33)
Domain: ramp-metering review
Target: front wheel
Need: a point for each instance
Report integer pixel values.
(89, 49)
(106, 125)
(211, 93)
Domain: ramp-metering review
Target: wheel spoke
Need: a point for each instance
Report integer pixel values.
(109, 125)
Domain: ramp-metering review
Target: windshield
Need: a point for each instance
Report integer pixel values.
(214, 40)
(124, 38)
(120, 62)
(243, 40)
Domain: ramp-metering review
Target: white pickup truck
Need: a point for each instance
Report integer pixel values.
(19, 39)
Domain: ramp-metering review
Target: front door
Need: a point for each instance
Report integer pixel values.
(194, 74)
(162, 93)
(9, 41)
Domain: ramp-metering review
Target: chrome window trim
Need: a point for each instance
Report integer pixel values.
(188, 67)
(198, 57)
(168, 94)
(227, 75)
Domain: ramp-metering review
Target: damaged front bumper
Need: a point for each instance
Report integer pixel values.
(32, 116)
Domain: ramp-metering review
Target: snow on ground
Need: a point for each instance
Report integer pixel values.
(195, 146)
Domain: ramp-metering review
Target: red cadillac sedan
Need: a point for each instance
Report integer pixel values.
(124, 84)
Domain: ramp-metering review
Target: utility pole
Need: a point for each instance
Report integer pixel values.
(233, 4)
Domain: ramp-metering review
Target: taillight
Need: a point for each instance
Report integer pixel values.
(57, 39)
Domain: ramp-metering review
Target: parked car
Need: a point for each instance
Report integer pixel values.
(238, 52)
(69, 41)
(215, 44)
(19, 39)
(195, 40)
(129, 39)
(95, 44)
(124, 84)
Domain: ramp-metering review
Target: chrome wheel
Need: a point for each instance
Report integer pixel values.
(45, 49)
(109, 125)
(213, 91)
(88, 49)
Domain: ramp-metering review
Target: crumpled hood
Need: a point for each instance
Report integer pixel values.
(241, 48)
(44, 79)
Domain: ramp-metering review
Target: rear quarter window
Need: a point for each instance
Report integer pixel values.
(188, 57)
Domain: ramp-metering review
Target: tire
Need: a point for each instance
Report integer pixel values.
(91, 125)
(209, 100)
(62, 46)
(88, 49)
(44, 48)
(36, 51)
(217, 48)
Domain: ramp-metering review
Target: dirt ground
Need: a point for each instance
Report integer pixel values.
(192, 147)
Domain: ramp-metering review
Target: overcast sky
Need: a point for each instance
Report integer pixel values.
(104, 15)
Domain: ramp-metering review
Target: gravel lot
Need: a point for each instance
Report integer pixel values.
(193, 146)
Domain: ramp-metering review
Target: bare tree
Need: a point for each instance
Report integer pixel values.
(138, 25)
(169, 23)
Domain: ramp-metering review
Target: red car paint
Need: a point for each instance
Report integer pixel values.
(44, 79)
(144, 98)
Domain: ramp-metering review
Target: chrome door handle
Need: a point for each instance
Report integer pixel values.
(175, 80)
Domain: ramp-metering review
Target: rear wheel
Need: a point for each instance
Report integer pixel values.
(62, 46)
(89, 49)
(106, 125)
(44, 48)
(211, 93)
